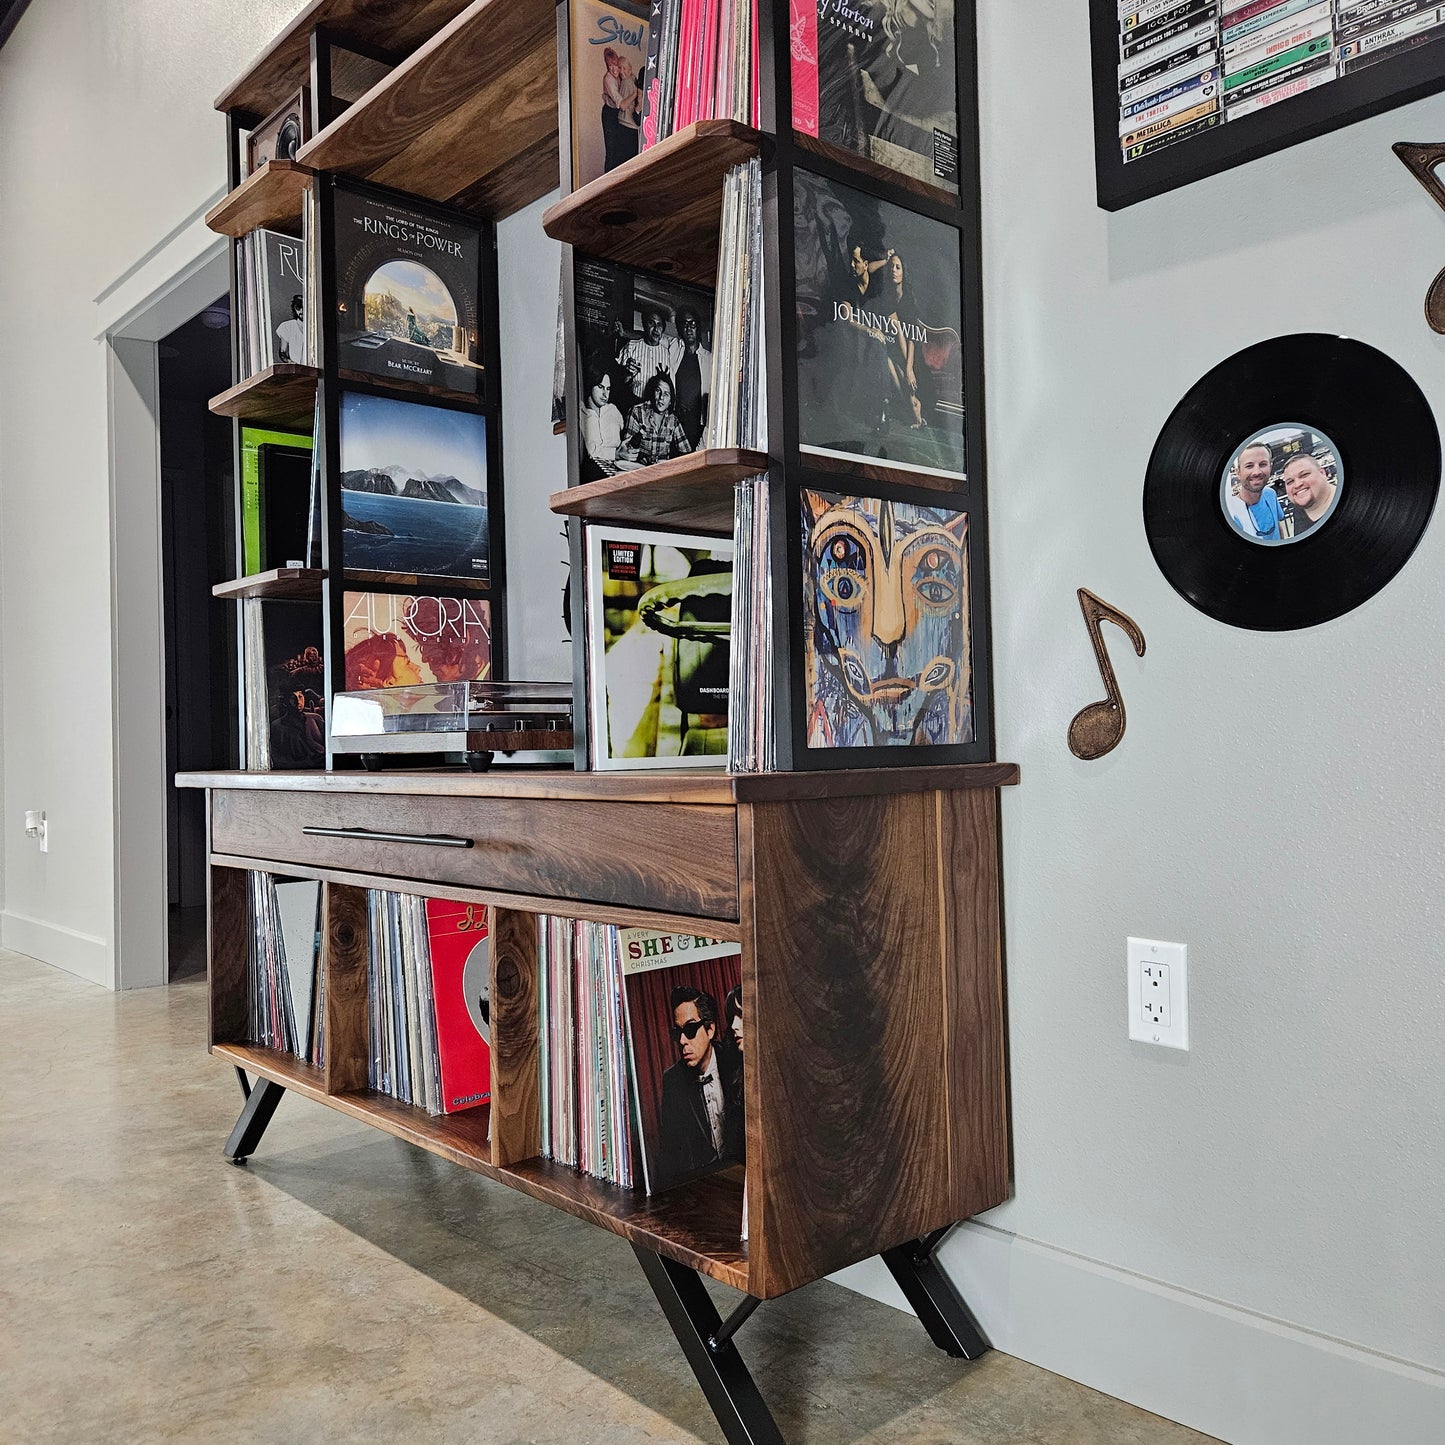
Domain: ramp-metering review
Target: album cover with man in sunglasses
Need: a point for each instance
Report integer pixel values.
(685, 1038)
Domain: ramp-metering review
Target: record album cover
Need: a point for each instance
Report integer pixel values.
(408, 307)
(659, 608)
(608, 56)
(879, 78)
(458, 939)
(295, 684)
(394, 639)
(413, 488)
(644, 351)
(885, 623)
(686, 1039)
(284, 301)
(880, 331)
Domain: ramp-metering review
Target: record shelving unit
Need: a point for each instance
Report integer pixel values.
(865, 898)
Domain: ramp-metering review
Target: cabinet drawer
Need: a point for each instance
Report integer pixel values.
(673, 857)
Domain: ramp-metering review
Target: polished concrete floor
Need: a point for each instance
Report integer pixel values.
(347, 1287)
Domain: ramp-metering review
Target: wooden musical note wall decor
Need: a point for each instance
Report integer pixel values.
(1422, 160)
(1098, 728)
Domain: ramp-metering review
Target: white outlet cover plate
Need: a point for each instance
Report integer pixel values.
(1159, 983)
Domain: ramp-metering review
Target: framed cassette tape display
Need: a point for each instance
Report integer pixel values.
(1186, 88)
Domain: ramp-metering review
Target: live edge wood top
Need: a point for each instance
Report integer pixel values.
(695, 491)
(652, 786)
(469, 118)
(284, 65)
(661, 209)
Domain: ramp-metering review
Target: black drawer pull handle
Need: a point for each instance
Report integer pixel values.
(371, 835)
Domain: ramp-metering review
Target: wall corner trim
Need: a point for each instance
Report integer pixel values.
(86, 955)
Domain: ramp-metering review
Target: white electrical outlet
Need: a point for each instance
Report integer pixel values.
(36, 827)
(1159, 993)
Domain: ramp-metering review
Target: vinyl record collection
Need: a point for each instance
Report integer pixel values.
(641, 1052)
(427, 993)
(275, 280)
(737, 416)
(287, 1007)
(702, 64)
(752, 742)
(285, 685)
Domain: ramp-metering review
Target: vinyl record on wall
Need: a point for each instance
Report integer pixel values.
(1292, 482)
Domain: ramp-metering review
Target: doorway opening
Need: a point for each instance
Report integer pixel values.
(198, 548)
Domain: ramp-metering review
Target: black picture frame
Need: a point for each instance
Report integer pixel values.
(1395, 80)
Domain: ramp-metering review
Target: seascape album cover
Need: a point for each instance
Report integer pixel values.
(608, 56)
(413, 489)
(644, 352)
(406, 293)
(295, 685)
(886, 616)
(659, 625)
(686, 1039)
(879, 78)
(396, 639)
(880, 331)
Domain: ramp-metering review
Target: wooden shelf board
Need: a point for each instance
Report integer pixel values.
(282, 396)
(661, 209)
(651, 785)
(697, 1224)
(301, 584)
(285, 64)
(359, 578)
(462, 1137)
(270, 196)
(695, 492)
(450, 123)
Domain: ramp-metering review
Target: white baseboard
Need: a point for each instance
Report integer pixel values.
(82, 954)
(1232, 1374)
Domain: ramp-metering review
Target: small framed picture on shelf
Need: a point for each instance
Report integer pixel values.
(608, 53)
(408, 292)
(1184, 91)
(415, 490)
(880, 81)
(399, 639)
(659, 635)
(644, 356)
(282, 133)
(888, 638)
(880, 334)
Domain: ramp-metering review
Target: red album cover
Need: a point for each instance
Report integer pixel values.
(458, 937)
(804, 34)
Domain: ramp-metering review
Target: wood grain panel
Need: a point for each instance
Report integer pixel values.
(345, 934)
(696, 491)
(516, 1089)
(661, 209)
(449, 116)
(492, 898)
(674, 858)
(227, 930)
(270, 196)
(285, 64)
(297, 584)
(281, 396)
(847, 1023)
(973, 981)
(660, 785)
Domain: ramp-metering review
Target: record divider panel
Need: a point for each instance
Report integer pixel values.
(866, 903)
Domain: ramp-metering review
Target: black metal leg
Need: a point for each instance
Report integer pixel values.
(740, 1409)
(260, 1105)
(244, 1082)
(949, 1322)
